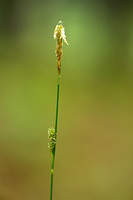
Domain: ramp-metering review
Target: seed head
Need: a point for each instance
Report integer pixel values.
(59, 33)
(51, 139)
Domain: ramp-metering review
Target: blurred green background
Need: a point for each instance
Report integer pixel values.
(94, 157)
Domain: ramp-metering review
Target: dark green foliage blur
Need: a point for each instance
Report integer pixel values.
(94, 157)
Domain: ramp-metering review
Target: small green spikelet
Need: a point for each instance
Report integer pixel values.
(51, 139)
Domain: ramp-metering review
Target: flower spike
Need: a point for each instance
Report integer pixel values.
(59, 34)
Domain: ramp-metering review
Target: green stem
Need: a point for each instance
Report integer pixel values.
(52, 170)
(56, 122)
(56, 119)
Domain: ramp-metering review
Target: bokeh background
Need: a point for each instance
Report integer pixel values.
(94, 157)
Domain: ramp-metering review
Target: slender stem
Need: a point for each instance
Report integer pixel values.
(56, 119)
(52, 170)
(56, 122)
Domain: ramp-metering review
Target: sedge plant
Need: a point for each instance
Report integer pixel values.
(59, 34)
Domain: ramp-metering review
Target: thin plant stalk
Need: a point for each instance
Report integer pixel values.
(56, 122)
(59, 34)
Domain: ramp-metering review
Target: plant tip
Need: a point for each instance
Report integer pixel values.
(59, 34)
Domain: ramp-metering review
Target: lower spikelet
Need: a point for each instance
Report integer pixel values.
(51, 139)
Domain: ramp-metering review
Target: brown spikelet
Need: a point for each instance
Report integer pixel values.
(59, 33)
